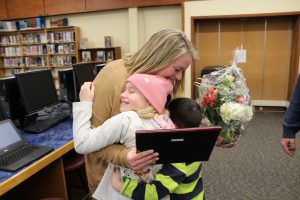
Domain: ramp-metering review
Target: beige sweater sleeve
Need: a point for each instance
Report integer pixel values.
(109, 86)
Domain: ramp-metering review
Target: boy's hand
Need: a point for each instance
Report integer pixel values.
(141, 159)
(220, 143)
(87, 92)
(116, 179)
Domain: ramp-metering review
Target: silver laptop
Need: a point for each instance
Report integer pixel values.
(15, 152)
(179, 145)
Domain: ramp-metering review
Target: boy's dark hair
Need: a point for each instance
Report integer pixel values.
(185, 112)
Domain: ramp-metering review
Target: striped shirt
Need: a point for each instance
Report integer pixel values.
(180, 180)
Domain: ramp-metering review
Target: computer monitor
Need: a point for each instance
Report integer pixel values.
(99, 67)
(10, 104)
(84, 72)
(67, 85)
(37, 90)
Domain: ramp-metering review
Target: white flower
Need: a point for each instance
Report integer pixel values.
(232, 111)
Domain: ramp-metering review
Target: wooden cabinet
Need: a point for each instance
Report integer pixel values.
(25, 8)
(55, 7)
(92, 5)
(3, 8)
(99, 55)
(142, 3)
(53, 48)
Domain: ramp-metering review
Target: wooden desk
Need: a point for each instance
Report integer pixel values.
(45, 177)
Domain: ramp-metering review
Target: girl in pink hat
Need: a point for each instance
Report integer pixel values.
(144, 99)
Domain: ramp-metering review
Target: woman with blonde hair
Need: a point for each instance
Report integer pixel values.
(168, 53)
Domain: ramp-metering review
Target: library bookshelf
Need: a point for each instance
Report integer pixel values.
(32, 49)
(99, 55)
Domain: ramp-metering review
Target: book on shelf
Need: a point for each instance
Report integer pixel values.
(101, 56)
(84, 43)
(109, 56)
(108, 41)
(86, 56)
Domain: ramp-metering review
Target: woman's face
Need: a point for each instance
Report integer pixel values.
(132, 99)
(175, 69)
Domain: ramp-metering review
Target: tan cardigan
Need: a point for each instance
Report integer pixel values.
(109, 84)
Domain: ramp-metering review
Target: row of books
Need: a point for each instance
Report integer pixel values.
(10, 51)
(32, 23)
(54, 61)
(68, 36)
(12, 72)
(38, 49)
(33, 38)
(9, 39)
(34, 49)
(62, 48)
(59, 61)
(35, 61)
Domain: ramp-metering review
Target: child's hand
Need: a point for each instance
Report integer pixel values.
(87, 92)
(141, 159)
(116, 179)
(220, 143)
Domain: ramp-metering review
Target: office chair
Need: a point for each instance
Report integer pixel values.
(74, 162)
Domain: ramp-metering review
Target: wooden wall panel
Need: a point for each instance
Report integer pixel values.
(268, 52)
(253, 42)
(206, 39)
(142, 3)
(3, 9)
(277, 58)
(92, 5)
(54, 7)
(25, 8)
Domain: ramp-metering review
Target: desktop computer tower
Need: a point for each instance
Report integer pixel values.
(10, 104)
(98, 68)
(67, 85)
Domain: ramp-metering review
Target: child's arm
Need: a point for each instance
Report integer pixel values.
(87, 140)
(166, 181)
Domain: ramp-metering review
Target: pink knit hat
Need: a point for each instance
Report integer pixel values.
(154, 88)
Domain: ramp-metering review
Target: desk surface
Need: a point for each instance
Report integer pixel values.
(59, 137)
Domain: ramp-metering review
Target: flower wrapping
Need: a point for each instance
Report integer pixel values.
(225, 101)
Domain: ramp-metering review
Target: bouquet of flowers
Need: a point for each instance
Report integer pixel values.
(225, 101)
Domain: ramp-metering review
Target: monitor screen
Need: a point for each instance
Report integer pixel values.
(84, 72)
(37, 90)
(66, 85)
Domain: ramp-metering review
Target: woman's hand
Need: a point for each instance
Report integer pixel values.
(87, 92)
(116, 179)
(141, 159)
(220, 143)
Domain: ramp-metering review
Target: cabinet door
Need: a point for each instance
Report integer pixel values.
(25, 8)
(3, 13)
(53, 7)
(107, 4)
(141, 3)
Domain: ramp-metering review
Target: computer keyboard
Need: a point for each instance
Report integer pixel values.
(42, 125)
(16, 155)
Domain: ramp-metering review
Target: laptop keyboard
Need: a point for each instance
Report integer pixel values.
(16, 155)
(42, 125)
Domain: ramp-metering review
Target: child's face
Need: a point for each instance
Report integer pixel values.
(132, 99)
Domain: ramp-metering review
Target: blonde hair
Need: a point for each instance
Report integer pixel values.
(160, 51)
(148, 113)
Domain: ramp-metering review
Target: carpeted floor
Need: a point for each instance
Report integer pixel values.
(257, 168)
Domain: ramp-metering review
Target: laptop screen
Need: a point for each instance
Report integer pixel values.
(9, 135)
